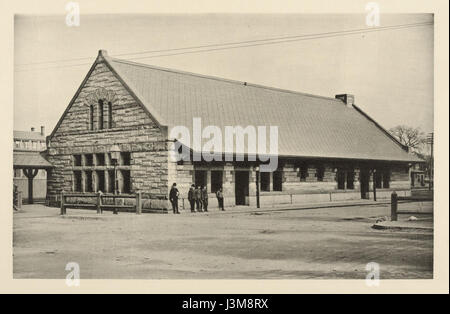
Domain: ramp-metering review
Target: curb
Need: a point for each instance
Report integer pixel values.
(275, 209)
(401, 228)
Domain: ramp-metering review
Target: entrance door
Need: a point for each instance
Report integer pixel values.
(241, 187)
(364, 177)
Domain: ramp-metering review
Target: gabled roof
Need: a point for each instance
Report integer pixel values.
(28, 135)
(30, 160)
(309, 126)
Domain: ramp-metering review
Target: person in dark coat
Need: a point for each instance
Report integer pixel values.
(173, 197)
(191, 197)
(198, 198)
(205, 198)
(219, 195)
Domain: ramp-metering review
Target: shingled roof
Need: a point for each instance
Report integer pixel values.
(30, 160)
(309, 126)
(28, 135)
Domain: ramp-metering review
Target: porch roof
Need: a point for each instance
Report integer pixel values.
(26, 160)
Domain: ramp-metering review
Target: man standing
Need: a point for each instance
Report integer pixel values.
(219, 195)
(191, 198)
(205, 198)
(198, 198)
(173, 197)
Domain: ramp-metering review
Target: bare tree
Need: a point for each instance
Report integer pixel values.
(414, 138)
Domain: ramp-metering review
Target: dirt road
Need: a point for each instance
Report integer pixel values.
(297, 244)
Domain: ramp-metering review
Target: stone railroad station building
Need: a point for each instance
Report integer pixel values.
(328, 148)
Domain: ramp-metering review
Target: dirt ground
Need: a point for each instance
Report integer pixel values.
(323, 243)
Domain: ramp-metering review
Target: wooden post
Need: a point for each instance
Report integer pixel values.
(30, 174)
(394, 206)
(138, 203)
(63, 209)
(257, 189)
(375, 185)
(115, 210)
(99, 203)
(19, 199)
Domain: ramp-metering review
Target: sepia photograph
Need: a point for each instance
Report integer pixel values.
(237, 146)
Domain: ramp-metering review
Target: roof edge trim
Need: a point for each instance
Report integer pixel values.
(58, 124)
(396, 141)
(133, 91)
(102, 57)
(216, 78)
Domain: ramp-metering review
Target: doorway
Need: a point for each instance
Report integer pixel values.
(241, 187)
(364, 178)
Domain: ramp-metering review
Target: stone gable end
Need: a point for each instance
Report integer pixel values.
(132, 129)
(126, 111)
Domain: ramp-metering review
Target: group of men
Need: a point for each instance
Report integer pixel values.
(197, 197)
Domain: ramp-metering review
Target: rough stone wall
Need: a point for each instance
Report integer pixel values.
(294, 191)
(132, 130)
(292, 179)
(400, 178)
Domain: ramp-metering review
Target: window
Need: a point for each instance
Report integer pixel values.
(89, 159)
(104, 116)
(110, 116)
(112, 182)
(98, 178)
(101, 181)
(278, 180)
(320, 172)
(100, 159)
(345, 179)
(265, 181)
(125, 158)
(303, 172)
(77, 181)
(125, 186)
(88, 185)
(350, 180)
(77, 160)
(378, 179)
(340, 177)
(382, 179)
(200, 178)
(91, 117)
(100, 115)
(216, 180)
(387, 179)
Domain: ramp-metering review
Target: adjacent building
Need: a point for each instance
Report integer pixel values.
(328, 148)
(27, 148)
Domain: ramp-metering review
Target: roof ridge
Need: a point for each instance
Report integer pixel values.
(221, 79)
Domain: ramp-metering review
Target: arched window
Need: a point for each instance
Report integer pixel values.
(110, 116)
(91, 117)
(100, 114)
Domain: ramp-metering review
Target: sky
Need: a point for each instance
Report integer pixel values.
(389, 72)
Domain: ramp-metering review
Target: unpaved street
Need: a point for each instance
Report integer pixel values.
(296, 244)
